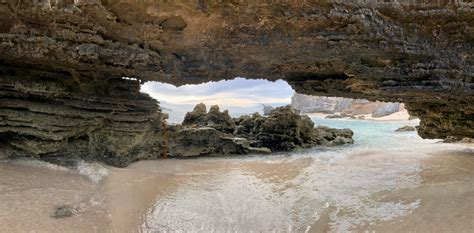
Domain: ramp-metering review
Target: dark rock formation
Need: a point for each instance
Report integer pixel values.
(197, 116)
(333, 137)
(342, 115)
(209, 134)
(64, 211)
(406, 129)
(47, 115)
(214, 118)
(205, 141)
(452, 139)
(62, 62)
(283, 129)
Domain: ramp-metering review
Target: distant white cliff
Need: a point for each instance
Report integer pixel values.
(331, 105)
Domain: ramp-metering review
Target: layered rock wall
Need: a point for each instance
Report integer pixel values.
(52, 116)
(62, 61)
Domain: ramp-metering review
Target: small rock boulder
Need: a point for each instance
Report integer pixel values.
(342, 115)
(64, 211)
(327, 136)
(406, 129)
(452, 139)
(333, 116)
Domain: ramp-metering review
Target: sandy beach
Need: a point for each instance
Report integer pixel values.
(398, 116)
(402, 184)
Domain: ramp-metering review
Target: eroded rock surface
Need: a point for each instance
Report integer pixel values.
(62, 62)
(48, 115)
(283, 129)
(214, 118)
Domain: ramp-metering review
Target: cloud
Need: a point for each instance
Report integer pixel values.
(240, 96)
(238, 92)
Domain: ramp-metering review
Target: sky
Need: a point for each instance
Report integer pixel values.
(239, 96)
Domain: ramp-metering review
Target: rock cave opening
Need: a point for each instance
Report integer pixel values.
(242, 96)
(80, 99)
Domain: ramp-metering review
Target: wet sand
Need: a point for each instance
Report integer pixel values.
(132, 191)
(446, 194)
(29, 195)
(288, 193)
(422, 187)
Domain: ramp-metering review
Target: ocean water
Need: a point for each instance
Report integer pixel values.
(293, 191)
(377, 134)
(386, 181)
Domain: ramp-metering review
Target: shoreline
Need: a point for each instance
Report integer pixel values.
(401, 116)
(143, 196)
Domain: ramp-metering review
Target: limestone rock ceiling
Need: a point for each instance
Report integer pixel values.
(417, 54)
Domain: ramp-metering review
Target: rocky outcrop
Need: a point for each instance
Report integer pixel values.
(406, 129)
(205, 141)
(214, 118)
(49, 115)
(283, 129)
(333, 137)
(452, 139)
(62, 62)
(335, 116)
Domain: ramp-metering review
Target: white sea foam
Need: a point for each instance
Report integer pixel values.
(468, 150)
(341, 183)
(94, 171)
(38, 164)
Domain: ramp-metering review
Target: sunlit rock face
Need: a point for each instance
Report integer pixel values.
(417, 54)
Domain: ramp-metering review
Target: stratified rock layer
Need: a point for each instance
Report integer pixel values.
(62, 62)
(50, 115)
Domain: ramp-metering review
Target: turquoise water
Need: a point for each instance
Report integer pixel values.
(298, 191)
(373, 185)
(375, 134)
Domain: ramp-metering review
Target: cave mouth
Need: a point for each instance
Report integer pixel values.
(243, 96)
(240, 96)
